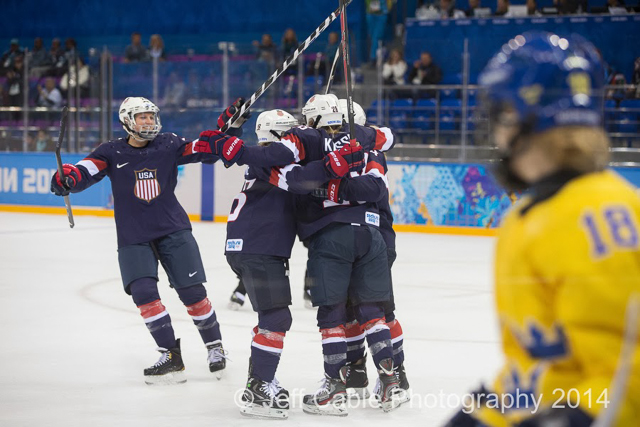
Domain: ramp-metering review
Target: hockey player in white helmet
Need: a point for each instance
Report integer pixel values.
(322, 111)
(152, 226)
(142, 129)
(359, 117)
(272, 124)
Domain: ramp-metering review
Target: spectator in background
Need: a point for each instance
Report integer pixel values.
(447, 10)
(289, 45)
(636, 76)
(394, 69)
(568, 7)
(43, 141)
(502, 9)
(471, 11)
(616, 7)
(69, 79)
(175, 92)
(532, 8)
(377, 11)
(40, 60)
(14, 85)
(57, 58)
(136, 52)
(156, 48)
(425, 72)
(267, 49)
(49, 95)
(8, 58)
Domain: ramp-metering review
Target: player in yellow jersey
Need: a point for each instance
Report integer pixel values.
(567, 267)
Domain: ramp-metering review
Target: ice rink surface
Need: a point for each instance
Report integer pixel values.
(73, 344)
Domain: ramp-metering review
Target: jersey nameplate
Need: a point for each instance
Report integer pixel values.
(372, 218)
(234, 245)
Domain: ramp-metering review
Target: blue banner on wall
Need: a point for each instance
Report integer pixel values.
(25, 179)
(461, 195)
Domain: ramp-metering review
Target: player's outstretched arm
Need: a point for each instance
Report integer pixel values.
(376, 138)
(80, 176)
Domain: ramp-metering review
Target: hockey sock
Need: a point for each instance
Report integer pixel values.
(396, 341)
(204, 317)
(371, 317)
(354, 335)
(268, 342)
(331, 320)
(158, 321)
(201, 312)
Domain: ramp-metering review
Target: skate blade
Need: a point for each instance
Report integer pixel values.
(331, 409)
(358, 393)
(219, 374)
(234, 306)
(166, 379)
(264, 412)
(397, 399)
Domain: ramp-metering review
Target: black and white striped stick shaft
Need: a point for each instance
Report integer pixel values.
(63, 129)
(333, 70)
(301, 48)
(346, 65)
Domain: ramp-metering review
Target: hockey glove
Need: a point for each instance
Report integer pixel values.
(72, 177)
(354, 155)
(236, 128)
(336, 165)
(330, 192)
(228, 148)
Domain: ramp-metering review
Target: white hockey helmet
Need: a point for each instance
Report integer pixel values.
(359, 117)
(272, 124)
(324, 110)
(127, 114)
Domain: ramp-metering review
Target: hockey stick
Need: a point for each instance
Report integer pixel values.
(63, 128)
(333, 70)
(618, 387)
(347, 70)
(301, 48)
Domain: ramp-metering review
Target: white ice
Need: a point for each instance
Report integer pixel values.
(73, 344)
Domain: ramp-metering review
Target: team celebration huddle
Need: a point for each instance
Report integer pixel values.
(323, 180)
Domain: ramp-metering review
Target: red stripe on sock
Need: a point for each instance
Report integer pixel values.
(395, 328)
(371, 323)
(270, 339)
(200, 308)
(353, 329)
(337, 332)
(151, 309)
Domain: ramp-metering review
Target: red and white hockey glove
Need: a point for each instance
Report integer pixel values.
(227, 147)
(236, 128)
(72, 177)
(354, 155)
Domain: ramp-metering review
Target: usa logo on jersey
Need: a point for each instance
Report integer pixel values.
(147, 186)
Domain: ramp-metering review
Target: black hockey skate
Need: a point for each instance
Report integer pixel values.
(169, 369)
(330, 398)
(402, 377)
(388, 392)
(266, 400)
(357, 380)
(217, 358)
(236, 301)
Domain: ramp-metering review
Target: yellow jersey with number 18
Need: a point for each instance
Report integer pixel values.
(567, 266)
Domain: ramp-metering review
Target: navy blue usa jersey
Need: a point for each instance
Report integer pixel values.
(303, 144)
(363, 188)
(143, 181)
(261, 221)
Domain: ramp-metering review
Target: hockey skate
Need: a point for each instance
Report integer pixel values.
(357, 380)
(217, 358)
(330, 398)
(264, 400)
(236, 301)
(387, 391)
(169, 369)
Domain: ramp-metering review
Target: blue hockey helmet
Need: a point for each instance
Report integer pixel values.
(548, 80)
